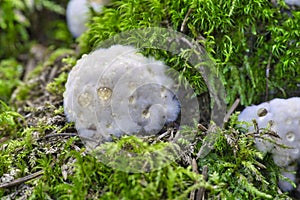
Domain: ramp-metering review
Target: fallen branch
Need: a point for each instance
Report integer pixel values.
(201, 191)
(199, 194)
(231, 110)
(267, 76)
(194, 169)
(59, 134)
(22, 180)
(183, 25)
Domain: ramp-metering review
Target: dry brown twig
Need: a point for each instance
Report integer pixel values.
(59, 134)
(201, 191)
(199, 194)
(231, 110)
(267, 76)
(183, 25)
(195, 170)
(22, 180)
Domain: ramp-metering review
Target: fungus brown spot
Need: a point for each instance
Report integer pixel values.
(262, 112)
(131, 100)
(104, 93)
(290, 136)
(288, 121)
(84, 99)
(146, 113)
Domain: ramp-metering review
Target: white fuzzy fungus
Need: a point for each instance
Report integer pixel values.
(118, 91)
(283, 117)
(292, 2)
(77, 14)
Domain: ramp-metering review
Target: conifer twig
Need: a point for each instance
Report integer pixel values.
(231, 110)
(22, 180)
(198, 194)
(59, 134)
(202, 128)
(195, 170)
(183, 25)
(201, 191)
(267, 76)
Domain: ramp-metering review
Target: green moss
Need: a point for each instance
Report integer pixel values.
(238, 170)
(10, 121)
(23, 92)
(243, 37)
(13, 28)
(19, 19)
(10, 74)
(235, 170)
(91, 179)
(57, 86)
(60, 60)
(58, 54)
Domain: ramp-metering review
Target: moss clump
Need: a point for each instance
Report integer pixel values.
(237, 169)
(20, 23)
(48, 77)
(10, 74)
(254, 43)
(243, 37)
(57, 86)
(92, 180)
(10, 122)
(13, 28)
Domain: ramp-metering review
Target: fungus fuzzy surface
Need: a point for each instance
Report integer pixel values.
(117, 91)
(77, 14)
(282, 117)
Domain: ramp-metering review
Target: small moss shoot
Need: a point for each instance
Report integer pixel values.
(10, 74)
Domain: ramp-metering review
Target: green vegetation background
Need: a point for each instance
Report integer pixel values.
(254, 44)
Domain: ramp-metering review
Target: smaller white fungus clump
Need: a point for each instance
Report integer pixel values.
(283, 117)
(118, 91)
(77, 14)
(292, 2)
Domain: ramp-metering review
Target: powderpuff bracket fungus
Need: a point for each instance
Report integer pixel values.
(283, 117)
(117, 91)
(77, 14)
